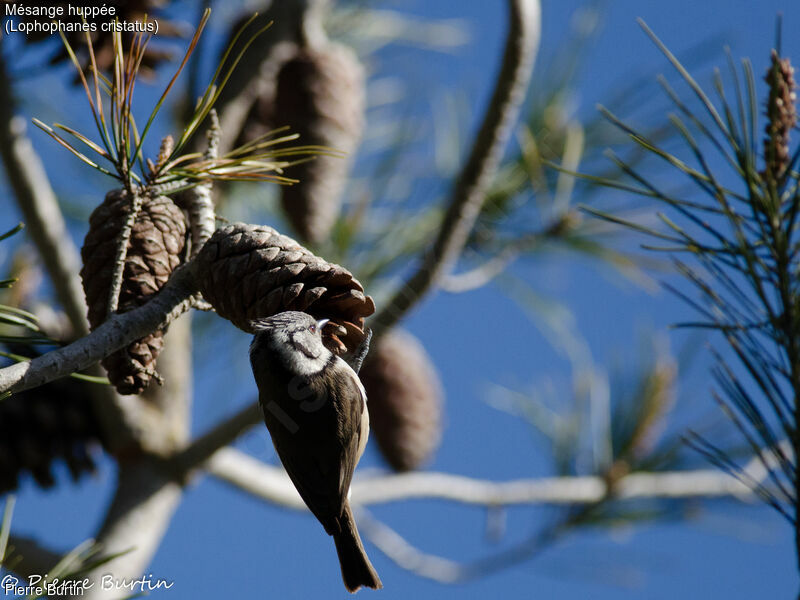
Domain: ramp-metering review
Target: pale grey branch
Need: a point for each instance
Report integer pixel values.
(137, 520)
(39, 206)
(120, 330)
(135, 199)
(197, 201)
(444, 570)
(404, 554)
(272, 484)
(253, 476)
(146, 498)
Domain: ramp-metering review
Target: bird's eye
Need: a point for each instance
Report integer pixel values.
(313, 328)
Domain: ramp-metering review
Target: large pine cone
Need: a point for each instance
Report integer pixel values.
(37, 427)
(404, 398)
(249, 272)
(155, 249)
(320, 95)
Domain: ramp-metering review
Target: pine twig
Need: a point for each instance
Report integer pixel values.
(122, 249)
(198, 201)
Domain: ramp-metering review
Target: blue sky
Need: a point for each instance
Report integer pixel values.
(224, 543)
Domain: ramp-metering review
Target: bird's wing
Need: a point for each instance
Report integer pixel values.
(321, 454)
(353, 429)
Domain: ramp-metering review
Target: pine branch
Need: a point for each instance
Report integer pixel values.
(743, 251)
(174, 299)
(224, 433)
(273, 485)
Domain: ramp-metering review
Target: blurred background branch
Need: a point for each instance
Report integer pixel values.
(271, 484)
(37, 202)
(469, 189)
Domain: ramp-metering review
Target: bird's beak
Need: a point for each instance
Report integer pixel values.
(321, 323)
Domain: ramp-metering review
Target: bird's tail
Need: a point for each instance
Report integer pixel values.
(357, 571)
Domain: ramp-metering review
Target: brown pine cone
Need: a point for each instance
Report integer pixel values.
(250, 271)
(404, 398)
(320, 95)
(38, 427)
(155, 249)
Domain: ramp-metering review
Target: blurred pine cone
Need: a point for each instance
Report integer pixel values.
(261, 118)
(51, 422)
(155, 249)
(320, 95)
(405, 399)
(249, 272)
(102, 41)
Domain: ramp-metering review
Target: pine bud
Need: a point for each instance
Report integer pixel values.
(781, 117)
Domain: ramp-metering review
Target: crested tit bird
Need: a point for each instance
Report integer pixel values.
(316, 411)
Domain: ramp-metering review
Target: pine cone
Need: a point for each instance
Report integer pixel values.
(127, 11)
(37, 427)
(404, 398)
(155, 249)
(320, 95)
(249, 272)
